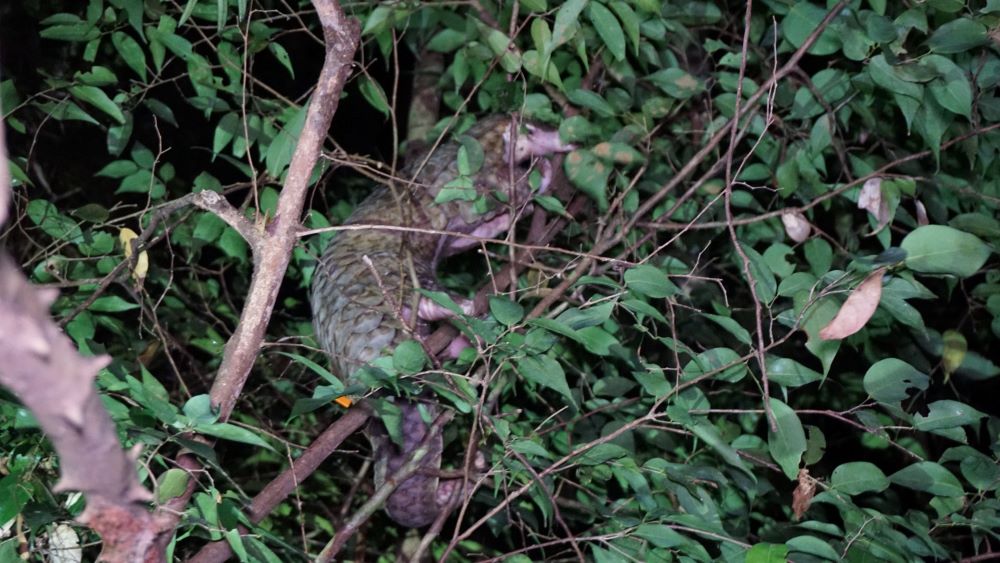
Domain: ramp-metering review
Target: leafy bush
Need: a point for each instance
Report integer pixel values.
(658, 386)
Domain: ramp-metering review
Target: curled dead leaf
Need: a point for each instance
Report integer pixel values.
(796, 226)
(921, 213)
(803, 494)
(859, 307)
(870, 199)
(64, 545)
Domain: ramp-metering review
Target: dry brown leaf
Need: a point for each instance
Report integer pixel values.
(859, 307)
(796, 226)
(921, 213)
(870, 199)
(803, 494)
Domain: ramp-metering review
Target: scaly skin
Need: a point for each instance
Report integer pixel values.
(363, 288)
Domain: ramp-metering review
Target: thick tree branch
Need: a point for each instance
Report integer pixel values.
(42, 367)
(342, 35)
(273, 251)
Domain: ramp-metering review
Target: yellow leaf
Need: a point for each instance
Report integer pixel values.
(953, 352)
(126, 236)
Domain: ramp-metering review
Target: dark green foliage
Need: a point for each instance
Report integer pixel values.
(630, 415)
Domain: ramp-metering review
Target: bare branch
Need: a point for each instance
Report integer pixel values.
(277, 490)
(274, 250)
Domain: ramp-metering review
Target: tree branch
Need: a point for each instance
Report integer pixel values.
(42, 367)
(278, 489)
(274, 249)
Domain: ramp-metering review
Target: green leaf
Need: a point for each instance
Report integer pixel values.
(789, 373)
(957, 36)
(978, 224)
(118, 169)
(858, 477)
(819, 254)
(228, 128)
(596, 340)
(319, 370)
(179, 46)
(946, 414)
(818, 315)
(982, 472)
(378, 20)
(231, 242)
(233, 433)
(592, 101)
(588, 173)
(709, 434)
(566, 23)
(500, 44)
(374, 95)
(888, 380)
(813, 546)
(630, 22)
(281, 54)
(161, 110)
(815, 446)
(608, 29)
(952, 90)
(16, 497)
(448, 40)
(461, 188)
(653, 382)
(833, 85)
(75, 32)
(931, 122)
(592, 314)
(209, 227)
(601, 453)
(648, 280)
(97, 98)
(789, 443)
(888, 77)
(97, 76)
(506, 311)
(52, 222)
(731, 326)
(937, 249)
(279, 153)
(764, 282)
(777, 258)
(409, 357)
(171, 484)
(660, 535)
(93, 212)
(802, 19)
(767, 553)
(530, 448)
(140, 182)
(199, 409)
(928, 477)
(796, 283)
(713, 359)
(131, 52)
(676, 83)
(545, 371)
(111, 304)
